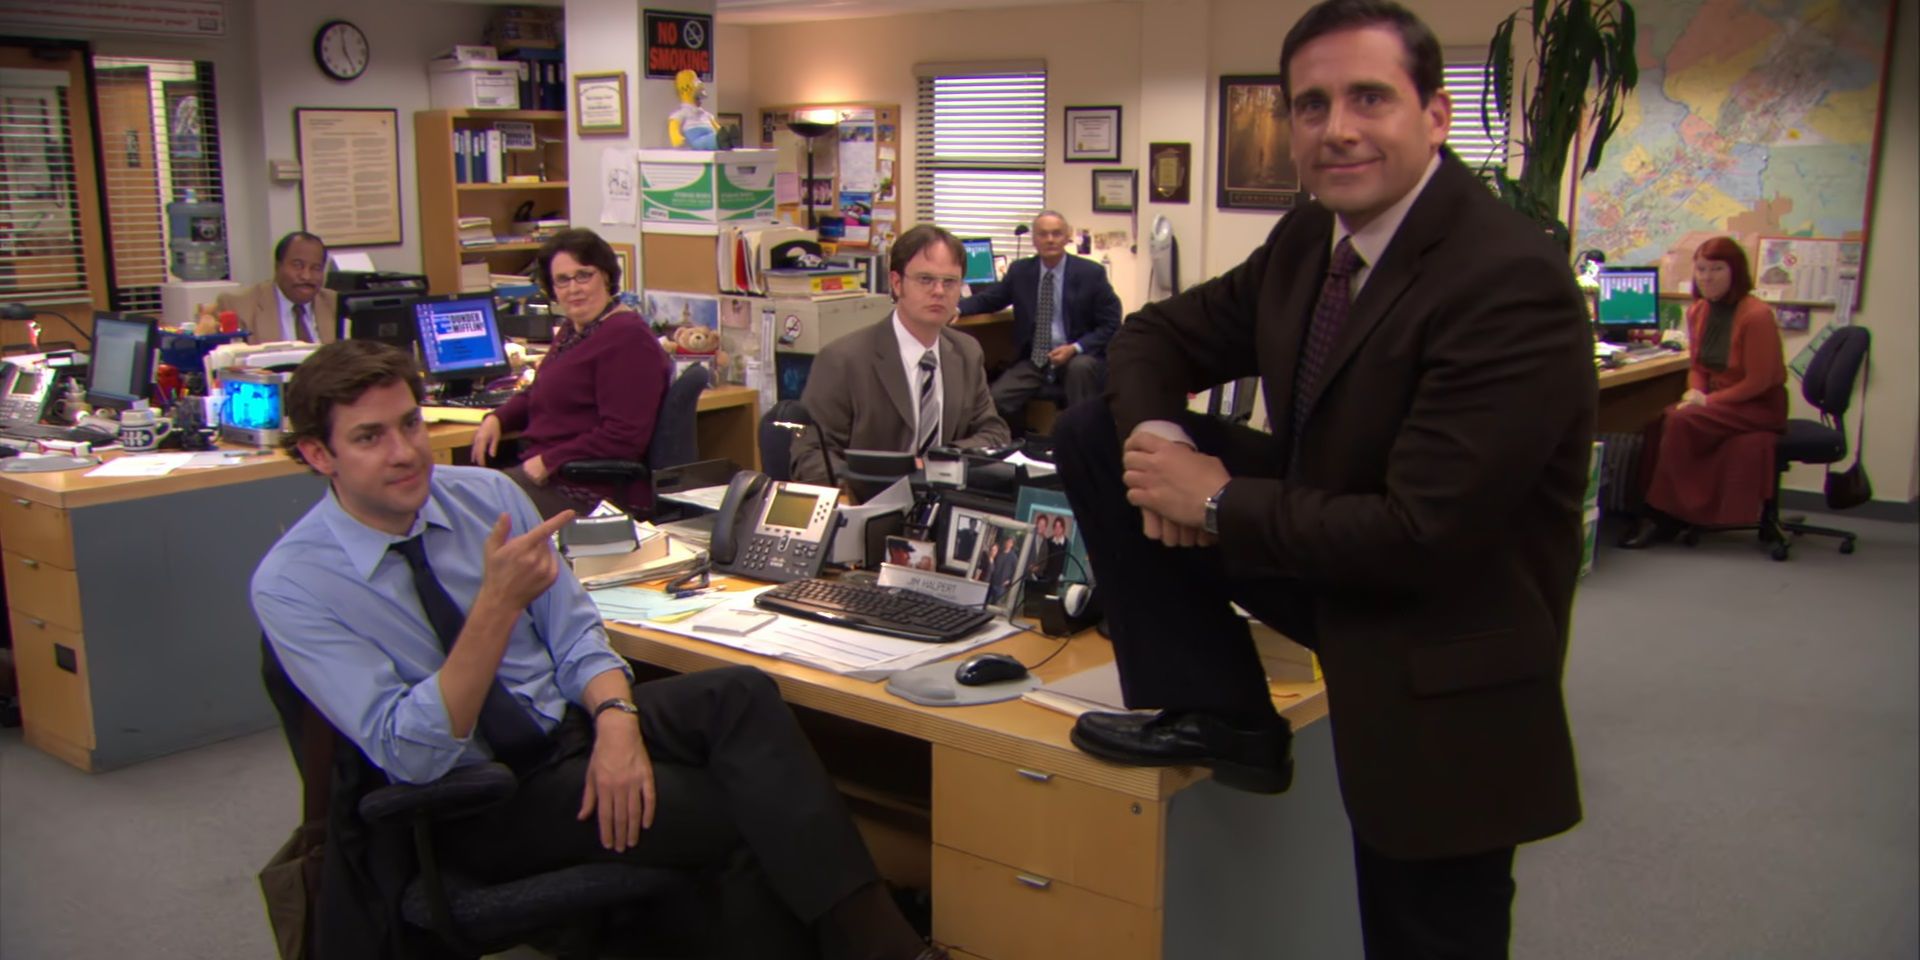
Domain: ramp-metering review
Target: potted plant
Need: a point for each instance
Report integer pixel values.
(1581, 69)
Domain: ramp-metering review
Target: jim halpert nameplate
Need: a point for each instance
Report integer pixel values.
(350, 175)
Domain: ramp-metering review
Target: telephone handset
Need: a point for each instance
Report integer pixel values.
(24, 392)
(773, 530)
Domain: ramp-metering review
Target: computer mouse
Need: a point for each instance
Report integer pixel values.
(985, 668)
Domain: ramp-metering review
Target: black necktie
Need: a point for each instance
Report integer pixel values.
(1043, 323)
(516, 740)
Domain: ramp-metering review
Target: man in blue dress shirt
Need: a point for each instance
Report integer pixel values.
(423, 610)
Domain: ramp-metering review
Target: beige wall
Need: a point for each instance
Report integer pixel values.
(1160, 59)
(1093, 56)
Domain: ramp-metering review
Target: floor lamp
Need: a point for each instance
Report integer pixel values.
(812, 126)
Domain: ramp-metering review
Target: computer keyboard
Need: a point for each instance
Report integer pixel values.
(44, 431)
(875, 609)
(485, 401)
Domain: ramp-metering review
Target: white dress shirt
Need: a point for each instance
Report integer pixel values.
(910, 351)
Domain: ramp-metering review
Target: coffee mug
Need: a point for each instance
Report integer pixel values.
(141, 430)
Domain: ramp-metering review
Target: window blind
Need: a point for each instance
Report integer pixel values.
(160, 144)
(980, 162)
(1466, 84)
(42, 261)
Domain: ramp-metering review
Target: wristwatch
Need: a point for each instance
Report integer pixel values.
(1210, 522)
(621, 704)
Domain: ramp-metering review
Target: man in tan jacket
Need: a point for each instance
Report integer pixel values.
(293, 305)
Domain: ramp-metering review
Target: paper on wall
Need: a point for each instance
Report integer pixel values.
(619, 178)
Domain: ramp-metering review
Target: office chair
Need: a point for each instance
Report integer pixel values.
(367, 855)
(1828, 388)
(779, 426)
(674, 442)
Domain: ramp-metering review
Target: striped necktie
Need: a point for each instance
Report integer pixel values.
(1043, 322)
(928, 433)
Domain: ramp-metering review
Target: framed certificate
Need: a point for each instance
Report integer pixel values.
(600, 103)
(1093, 135)
(1113, 191)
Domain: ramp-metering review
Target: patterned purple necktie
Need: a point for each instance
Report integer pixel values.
(1329, 314)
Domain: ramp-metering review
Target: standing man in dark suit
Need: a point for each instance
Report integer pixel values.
(907, 383)
(1064, 312)
(1414, 516)
(295, 304)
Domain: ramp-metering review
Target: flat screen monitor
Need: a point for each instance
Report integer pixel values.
(460, 340)
(382, 315)
(121, 371)
(979, 260)
(1629, 300)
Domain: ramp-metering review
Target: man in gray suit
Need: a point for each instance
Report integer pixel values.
(907, 383)
(295, 304)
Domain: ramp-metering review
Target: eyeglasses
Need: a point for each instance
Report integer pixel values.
(932, 284)
(569, 279)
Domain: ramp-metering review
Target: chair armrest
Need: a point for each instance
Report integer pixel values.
(468, 789)
(604, 471)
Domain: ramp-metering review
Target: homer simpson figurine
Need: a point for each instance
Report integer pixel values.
(691, 126)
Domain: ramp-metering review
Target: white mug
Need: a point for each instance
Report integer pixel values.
(141, 430)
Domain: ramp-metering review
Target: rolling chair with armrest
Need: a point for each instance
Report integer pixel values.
(674, 441)
(368, 857)
(1828, 387)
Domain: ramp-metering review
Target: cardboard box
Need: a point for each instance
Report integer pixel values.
(473, 85)
(694, 191)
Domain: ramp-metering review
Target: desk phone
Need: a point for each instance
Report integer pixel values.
(24, 392)
(773, 530)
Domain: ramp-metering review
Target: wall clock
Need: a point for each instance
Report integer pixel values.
(341, 50)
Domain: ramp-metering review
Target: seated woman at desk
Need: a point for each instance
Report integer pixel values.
(599, 389)
(1713, 452)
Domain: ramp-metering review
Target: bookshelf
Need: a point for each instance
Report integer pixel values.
(445, 201)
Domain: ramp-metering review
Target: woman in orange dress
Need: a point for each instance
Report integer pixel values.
(1714, 456)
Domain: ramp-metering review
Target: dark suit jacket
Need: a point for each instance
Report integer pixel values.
(259, 312)
(1433, 512)
(1091, 311)
(858, 397)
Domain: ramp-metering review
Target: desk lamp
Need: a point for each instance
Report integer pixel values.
(1019, 236)
(812, 125)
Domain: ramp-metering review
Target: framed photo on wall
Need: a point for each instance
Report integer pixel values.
(1169, 172)
(729, 129)
(623, 253)
(1092, 135)
(1256, 171)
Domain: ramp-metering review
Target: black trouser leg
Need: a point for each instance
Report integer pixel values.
(731, 769)
(1456, 908)
(1178, 643)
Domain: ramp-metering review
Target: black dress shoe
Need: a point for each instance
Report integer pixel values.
(1254, 760)
(1649, 531)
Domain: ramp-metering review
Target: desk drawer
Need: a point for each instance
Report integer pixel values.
(36, 530)
(53, 699)
(40, 589)
(990, 910)
(1033, 820)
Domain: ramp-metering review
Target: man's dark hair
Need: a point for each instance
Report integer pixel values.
(584, 246)
(336, 374)
(1423, 61)
(914, 241)
(280, 249)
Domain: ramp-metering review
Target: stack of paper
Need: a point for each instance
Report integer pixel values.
(839, 650)
(475, 231)
(640, 604)
(1097, 690)
(638, 566)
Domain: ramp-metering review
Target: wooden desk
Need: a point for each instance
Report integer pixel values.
(128, 597)
(995, 333)
(1635, 395)
(1036, 851)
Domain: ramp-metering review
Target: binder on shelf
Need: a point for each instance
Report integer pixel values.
(814, 283)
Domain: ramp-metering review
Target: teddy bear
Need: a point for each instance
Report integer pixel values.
(698, 340)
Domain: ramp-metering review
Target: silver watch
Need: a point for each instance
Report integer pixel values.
(1210, 522)
(621, 704)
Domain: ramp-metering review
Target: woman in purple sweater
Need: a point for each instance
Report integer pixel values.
(599, 389)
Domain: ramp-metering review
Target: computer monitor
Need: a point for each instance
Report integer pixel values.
(979, 260)
(383, 315)
(460, 341)
(121, 371)
(1629, 301)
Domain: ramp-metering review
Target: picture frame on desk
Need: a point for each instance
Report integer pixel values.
(1000, 561)
(1049, 505)
(600, 104)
